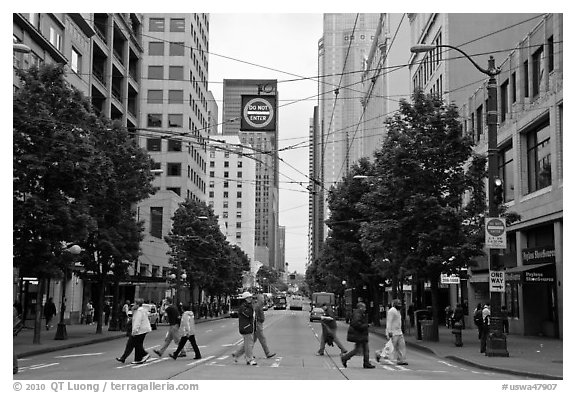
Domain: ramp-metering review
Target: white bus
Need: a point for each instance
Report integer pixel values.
(296, 302)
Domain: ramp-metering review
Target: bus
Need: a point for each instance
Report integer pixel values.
(319, 298)
(296, 302)
(235, 303)
(280, 302)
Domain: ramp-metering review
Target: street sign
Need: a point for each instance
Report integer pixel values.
(497, 281)
(258, 113)
(496, 233)
(449, 279)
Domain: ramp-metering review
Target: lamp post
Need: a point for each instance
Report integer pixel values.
(61, 333)
(496, 344)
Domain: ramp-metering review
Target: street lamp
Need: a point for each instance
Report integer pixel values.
(496, 344)
(61, 333)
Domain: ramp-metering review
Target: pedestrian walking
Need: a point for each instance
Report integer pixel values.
(49, 312)
(394, 330)
(246, 327)
(257, 305)
(140, 327)
(187, 332)
(130, 342)
(107, 310)
(458, 325)
(329, 327)
(485, 329)
(411, 314)
(358, 334)
(173, 334)
(89, 313)
(478, 319)
(505, 322)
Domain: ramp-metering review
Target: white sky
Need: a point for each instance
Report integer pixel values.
(286, 43)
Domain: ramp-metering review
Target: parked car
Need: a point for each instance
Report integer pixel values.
(316, 314)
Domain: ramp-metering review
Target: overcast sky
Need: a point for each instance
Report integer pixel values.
(278, 46)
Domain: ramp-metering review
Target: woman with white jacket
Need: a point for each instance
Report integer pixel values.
(140, 327)
(187, 333)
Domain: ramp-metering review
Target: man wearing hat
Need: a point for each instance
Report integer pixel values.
(246, 327)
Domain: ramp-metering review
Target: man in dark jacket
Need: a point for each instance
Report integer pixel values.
(329, 331)
(173, 334)
(246, 327)
(358, 334)
(49, 312)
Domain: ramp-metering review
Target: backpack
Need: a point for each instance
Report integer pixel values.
(478, 317)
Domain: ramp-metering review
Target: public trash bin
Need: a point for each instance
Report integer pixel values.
(420, 315)
(428, 331)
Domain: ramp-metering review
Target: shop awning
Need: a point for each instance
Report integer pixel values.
(538, 273)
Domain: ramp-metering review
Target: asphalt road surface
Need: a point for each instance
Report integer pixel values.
(289, 333)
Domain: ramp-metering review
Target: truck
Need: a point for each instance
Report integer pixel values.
(280, 302)
(319, 298)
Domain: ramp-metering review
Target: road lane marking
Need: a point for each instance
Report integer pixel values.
(208, 331)
(200, 361)
(149, 363)
(43, 366)
(78, 355)
(389, 368)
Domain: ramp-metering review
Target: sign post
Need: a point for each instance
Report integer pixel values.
(497, 281)
(496, 233)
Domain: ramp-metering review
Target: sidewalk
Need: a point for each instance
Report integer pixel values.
(535, 357)
(78, 335)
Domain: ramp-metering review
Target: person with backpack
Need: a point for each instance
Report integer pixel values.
(478, 319)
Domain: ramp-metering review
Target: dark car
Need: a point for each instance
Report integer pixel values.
(316, 314)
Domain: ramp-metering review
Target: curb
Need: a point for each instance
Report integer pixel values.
(88, 342)
(423, 348)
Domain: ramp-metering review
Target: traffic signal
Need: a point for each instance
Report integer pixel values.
(498, 191)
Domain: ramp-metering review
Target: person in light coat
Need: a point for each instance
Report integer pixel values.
(394, 329)
(187, 332)
(140, 327)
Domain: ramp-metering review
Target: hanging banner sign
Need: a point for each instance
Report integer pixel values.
(496, 233)
(258, 113)
(497, 281)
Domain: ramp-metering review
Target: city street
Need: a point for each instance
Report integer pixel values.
(289, 334)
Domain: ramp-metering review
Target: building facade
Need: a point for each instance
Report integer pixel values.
(264, 146)
(530, 156)
(231, 191)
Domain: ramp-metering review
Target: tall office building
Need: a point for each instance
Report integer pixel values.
(174, 127)
(265, 147)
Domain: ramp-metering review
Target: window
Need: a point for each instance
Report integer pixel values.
(175, 120)
(156, 24)
(526, 79)
(76, 61)
(506, 172)
(239, 164)
(513, 91)
(154, 120)
(225, 194)
(176, 49)
(238, 214)
(211, 184)
(479, 123)
(176, 190)
(175, 96)
(156, 165)
(539, 164)
(224, 214)
(176, 73)
(155, 96)
(155, 72)
(212, 164)
(154, 144)
(238, 194)
(225, 184)
(512, 299)
(156, 222)
(226, 174)
(537, 71)
(177, 25)
(156, 48)
(174, 145)
(238, 225)
(56, 39)
(211, 194)
(238, 235)
(225, 204)
(174, 169)
(503, 100)
(212, 174)
(239, 175)
(551, 54)
(239, 205)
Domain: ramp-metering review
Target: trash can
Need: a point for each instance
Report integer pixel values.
(420, 315)
(428, 331)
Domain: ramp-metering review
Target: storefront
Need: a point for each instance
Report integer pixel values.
(531, 295)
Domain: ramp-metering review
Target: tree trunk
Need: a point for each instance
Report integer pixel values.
(114, 318)
(38, 318)
(98, 310)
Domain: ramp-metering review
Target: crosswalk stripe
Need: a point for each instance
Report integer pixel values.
(200, 361)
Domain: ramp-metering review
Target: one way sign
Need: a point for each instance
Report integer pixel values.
(497, 281)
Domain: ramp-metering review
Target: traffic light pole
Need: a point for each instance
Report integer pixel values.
(496, 343)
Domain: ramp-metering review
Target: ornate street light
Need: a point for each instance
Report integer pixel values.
(496, 344)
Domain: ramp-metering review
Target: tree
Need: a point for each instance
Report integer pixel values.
(416, 206)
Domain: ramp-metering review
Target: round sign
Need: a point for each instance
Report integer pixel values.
(258, 112)
(496, 227)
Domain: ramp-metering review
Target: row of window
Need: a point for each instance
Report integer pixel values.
(226, 184)
(427, 66)
(225, 194)
(226, 164)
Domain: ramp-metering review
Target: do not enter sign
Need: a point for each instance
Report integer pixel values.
(258, 113)
(495, 233)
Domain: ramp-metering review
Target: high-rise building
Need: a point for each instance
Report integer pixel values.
(265, 146)
(174, 128)
(231, 190)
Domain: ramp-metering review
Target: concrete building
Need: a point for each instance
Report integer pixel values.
(530, 155)
(174, 130)
(231, 190)
(264, 145)
(529, 137)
